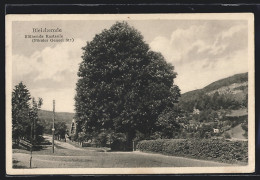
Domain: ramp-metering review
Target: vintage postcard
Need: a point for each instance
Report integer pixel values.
(130, 94)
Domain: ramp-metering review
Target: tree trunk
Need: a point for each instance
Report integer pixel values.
(129, 140)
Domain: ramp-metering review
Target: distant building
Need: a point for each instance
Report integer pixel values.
(216, 131)
(196, 111)
(73, 127)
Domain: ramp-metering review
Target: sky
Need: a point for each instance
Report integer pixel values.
(201, 51)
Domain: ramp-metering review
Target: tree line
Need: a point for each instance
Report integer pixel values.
(203, 101)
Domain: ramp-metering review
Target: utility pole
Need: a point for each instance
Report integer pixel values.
(53, 129)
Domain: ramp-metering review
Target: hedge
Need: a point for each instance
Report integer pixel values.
(207, 149)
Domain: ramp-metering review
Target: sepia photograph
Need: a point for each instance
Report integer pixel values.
(130, 94)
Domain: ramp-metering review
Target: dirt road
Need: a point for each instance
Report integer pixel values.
(62, 144)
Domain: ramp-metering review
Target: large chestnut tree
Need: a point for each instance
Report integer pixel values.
(123, 86)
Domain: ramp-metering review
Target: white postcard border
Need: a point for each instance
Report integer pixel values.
(160, 170)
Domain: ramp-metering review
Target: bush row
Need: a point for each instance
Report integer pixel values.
(208, 149)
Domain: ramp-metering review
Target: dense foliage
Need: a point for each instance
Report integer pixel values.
(61, 128)
(123, 86)
(209, 149)
(167, 125)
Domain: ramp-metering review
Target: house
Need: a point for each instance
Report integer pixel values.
(216, 131)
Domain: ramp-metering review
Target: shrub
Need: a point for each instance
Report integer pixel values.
(208, 149)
